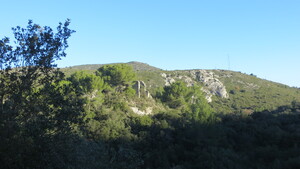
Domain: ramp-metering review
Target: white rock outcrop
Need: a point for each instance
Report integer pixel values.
(140, 112)
(211, 82)
(212, 85)
(168, 79)
(189, 81)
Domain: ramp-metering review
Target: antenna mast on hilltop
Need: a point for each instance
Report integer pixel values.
(228, 59)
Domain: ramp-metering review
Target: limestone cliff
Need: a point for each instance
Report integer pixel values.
(211, 84)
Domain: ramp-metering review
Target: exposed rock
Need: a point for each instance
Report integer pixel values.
(137, 88)
(148, 94)
(209, 79)
(208, 95)
(212, 85)
(140, 112)
(189, 81)
(168, 79)
(141, 89)
(163, 75)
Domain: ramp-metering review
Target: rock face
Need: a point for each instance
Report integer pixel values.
(140, 112)
(168, 79)
(141, 89)
(208, 95)
(212, 83)
(189, 81)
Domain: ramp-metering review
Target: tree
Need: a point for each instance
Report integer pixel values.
(30, 63)
(89, 86)
(34, 110)
(200, 110)
(189, 99)
(117, 75)
(87, 83)
(174, 95)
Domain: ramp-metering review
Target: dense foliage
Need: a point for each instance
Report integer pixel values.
(116, 75)
(36, 115)
(86, 120)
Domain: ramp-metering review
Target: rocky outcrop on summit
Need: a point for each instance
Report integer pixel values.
(211, 82)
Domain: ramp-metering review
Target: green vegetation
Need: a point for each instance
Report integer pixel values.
(247, 93)
(250, 94)
(117, 75)
(88, 118)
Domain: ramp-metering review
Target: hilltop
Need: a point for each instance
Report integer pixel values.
(227, 91)
(137, 66)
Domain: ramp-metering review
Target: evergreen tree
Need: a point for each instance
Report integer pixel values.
(117, 74)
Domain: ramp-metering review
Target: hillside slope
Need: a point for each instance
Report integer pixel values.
(227, 91)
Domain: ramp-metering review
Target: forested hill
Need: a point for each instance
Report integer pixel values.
(227, 91)
(135, 116)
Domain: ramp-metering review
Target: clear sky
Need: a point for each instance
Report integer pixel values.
(256, 36)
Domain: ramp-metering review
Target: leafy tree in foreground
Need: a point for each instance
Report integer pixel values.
(34, 110)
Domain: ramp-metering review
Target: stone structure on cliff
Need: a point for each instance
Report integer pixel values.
(141, 89)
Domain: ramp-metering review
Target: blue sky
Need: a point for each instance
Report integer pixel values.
(258, 36)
